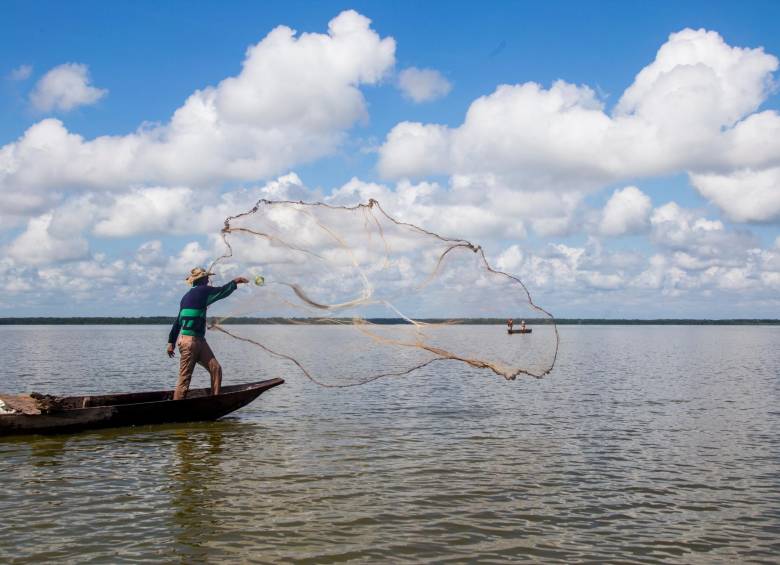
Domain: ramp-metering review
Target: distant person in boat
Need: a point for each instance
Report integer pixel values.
(509, 323)
(522, 326)
(191, 324)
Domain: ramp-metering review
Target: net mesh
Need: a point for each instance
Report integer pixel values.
(379, 297)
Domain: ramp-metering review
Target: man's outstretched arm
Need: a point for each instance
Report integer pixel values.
(220, 292)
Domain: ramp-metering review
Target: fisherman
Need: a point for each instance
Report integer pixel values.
(509, 323)
(522, 326)
(191, 322)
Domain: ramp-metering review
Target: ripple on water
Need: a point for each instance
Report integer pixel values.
(639, 448)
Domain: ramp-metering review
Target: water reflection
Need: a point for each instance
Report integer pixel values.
(48, 451)
(195, 477)
(646, 445)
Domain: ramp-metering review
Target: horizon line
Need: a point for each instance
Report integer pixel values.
(279, 320)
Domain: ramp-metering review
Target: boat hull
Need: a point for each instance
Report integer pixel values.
(525, 331)
(135, 409)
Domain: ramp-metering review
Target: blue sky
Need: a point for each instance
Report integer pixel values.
(143, 60)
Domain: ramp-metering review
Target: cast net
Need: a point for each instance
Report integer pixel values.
(348, 295)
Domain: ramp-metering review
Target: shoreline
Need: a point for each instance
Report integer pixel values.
(167, 320)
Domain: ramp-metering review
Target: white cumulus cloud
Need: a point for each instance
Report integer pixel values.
(292, 102)
(691, 109)
(154, 209)
(192, 255)
(180, 210)
(683, 230)
(64, 88)
(523, 160)
(41, 243)
(697, 78)
(423, 85)
(627, 211)
(745, 195)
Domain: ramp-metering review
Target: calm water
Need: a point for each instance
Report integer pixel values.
(647, 444)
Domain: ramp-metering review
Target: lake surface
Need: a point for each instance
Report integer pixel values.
(647, 444)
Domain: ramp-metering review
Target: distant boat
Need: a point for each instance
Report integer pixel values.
(525, 331)
(72, 413)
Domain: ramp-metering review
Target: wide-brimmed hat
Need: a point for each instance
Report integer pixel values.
(196, 274)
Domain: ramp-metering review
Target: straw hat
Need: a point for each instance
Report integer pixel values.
(196, 274)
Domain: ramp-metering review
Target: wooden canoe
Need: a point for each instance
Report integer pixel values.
(525, 331)
(74, 413)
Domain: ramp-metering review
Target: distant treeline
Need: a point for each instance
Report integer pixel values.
(160, 320)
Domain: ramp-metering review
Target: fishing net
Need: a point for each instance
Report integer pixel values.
(364, 296)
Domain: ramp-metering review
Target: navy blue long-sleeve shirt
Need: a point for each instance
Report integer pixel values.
(192, 310)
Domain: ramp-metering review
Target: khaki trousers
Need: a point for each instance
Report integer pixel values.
(195, 350)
